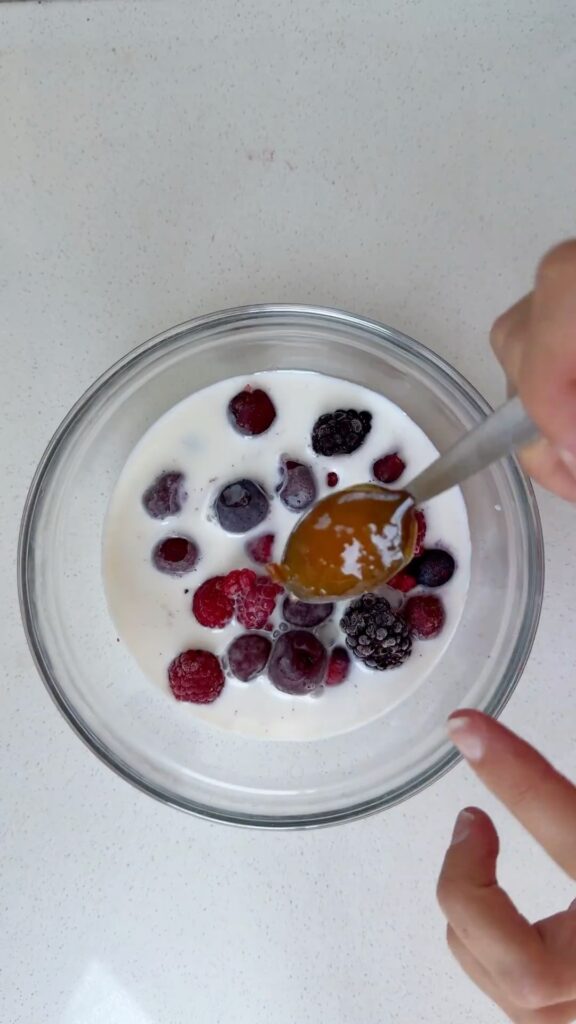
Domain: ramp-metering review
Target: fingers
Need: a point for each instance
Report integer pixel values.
(539, 797)
(486, 921)
(535, 342)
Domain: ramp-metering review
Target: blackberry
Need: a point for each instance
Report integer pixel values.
(375, 634)
(340, 432)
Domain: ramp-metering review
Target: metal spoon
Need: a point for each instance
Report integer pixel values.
(359, 537)
(504, 430)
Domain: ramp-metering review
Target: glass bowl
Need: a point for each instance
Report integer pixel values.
(131, 725)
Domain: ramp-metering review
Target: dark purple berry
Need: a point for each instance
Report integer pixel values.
(165, 496)
(305, 614)
(332, 478)
(248, 655)
(340, 432)
(297, 489)
(241, 506)
(389, 468)
(175, 555)
(298, 662)
(433, 568)
(251, 411)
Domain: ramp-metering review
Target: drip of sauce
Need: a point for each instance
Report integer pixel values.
(350, 542)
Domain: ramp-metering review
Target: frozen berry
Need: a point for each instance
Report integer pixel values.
(259, 549)
(389, 468)
(375, 634)
(297, 489)
(238, 582)
(211, 606)
(433, 568)
(255, 605)
(248, 655)
(298, 662)
(305, 614)
(403, 581)
(332, 479)
(196, 676)
(241, 506)
(424, 615)
(165, 496)
(338, 666)
(251, 411)
(340, 432)
(175, 555)
(420, 531)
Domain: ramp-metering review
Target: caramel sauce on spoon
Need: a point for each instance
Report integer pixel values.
(349, 542)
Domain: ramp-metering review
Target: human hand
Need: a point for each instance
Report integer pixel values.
(535, 341)
(528, 970)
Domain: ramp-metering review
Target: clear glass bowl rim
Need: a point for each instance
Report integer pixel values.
(228, 317)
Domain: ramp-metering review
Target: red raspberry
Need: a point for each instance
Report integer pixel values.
(424, 615)
(403, 581)
(332, 478)
(254, 607)
(211, 606)
(420, 531)
(196, 676)
(239, 582)
(259, 549)
(388, 468)
(338, 666)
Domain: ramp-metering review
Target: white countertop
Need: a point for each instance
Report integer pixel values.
(409, 160)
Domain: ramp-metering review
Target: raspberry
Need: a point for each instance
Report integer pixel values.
(340, 432)
(237, 582)
(420, 531)
(338, 666)
(241, 505)
(259, 549)
(211, 606)
(175, 555)
(297, 489)
(403, 581)
(165, 496)
(248, 655)
(254, 608)
(389, 468)
(332, 479)
(433, 568)
(251, 411)
(298, 662)
(424, 615)
(305, 614)
(196, 676)
(375, 634)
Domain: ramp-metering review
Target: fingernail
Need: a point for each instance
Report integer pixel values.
(462, 827)
(465, 737)
(569, 460)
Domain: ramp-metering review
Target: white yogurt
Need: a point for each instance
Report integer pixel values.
(152, 611)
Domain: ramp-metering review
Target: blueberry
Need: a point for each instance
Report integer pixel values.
(175, 555)
(165, 496)
(248, 655)
(433, 568)
(297, 489)
(305, 614)
(241, 505)
(298, 662)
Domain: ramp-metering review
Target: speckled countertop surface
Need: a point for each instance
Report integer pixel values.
(158, 159)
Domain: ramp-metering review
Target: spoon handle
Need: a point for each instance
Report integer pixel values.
(507, 428)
